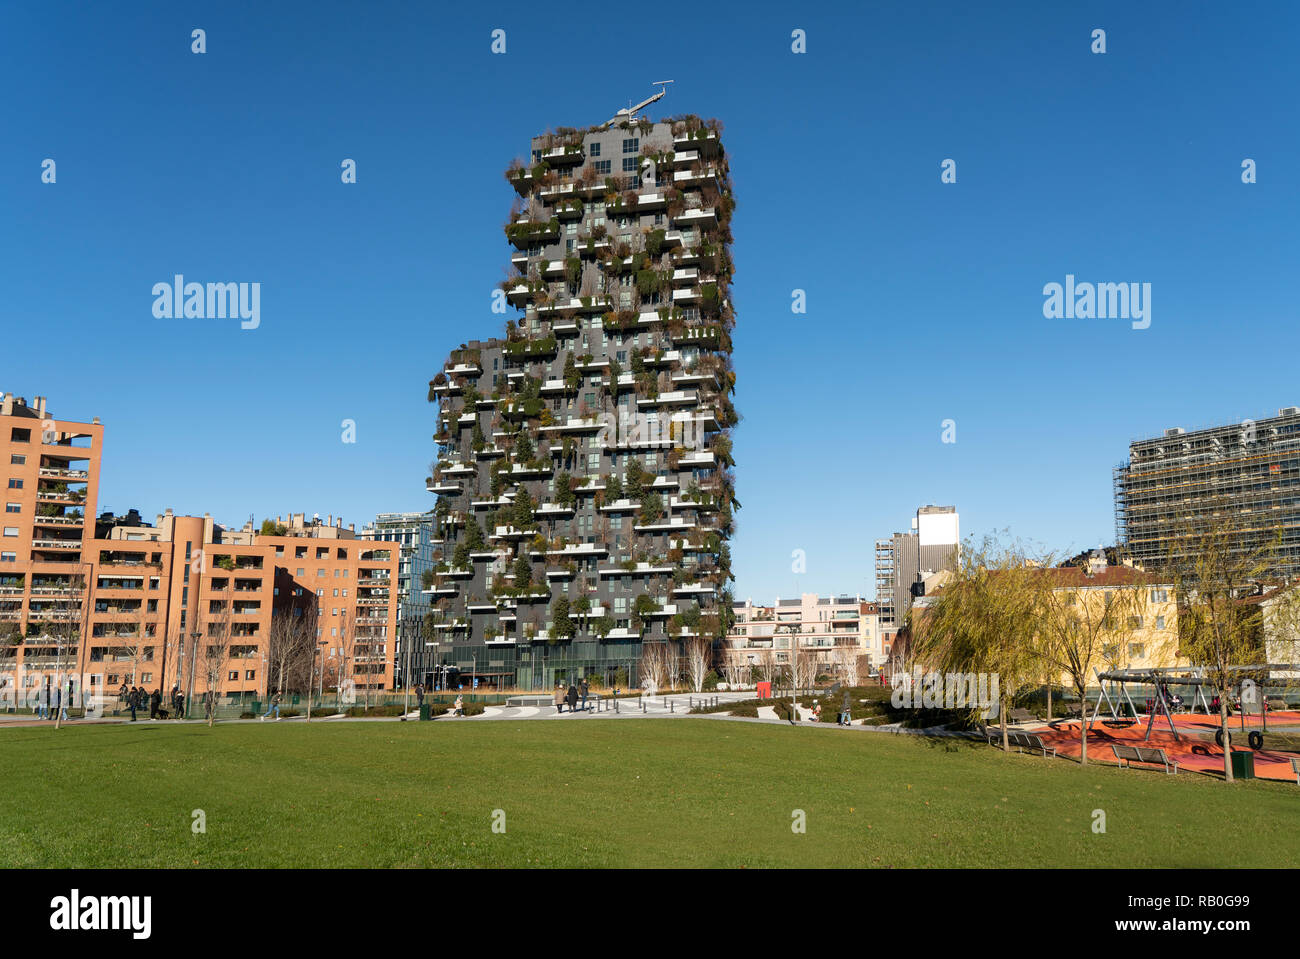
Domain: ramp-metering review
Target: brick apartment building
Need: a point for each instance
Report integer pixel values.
(166, 604)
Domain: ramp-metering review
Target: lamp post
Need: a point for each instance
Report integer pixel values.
(318, 648)
(194, 655)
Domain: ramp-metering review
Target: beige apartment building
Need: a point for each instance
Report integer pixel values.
(841, 634)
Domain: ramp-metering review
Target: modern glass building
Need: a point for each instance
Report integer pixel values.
(415, 534)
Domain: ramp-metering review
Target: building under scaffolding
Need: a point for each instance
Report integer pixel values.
(1179, 484)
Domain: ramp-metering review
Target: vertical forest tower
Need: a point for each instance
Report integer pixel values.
(584, 472)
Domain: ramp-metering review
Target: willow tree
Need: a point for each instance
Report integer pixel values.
(983, 620)
(1214, 566)
(1079, 616)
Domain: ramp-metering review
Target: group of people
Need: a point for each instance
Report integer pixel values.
(575, 696)
(51, 696)
(136, 698)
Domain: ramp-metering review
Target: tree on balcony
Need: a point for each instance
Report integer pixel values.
(562, 626)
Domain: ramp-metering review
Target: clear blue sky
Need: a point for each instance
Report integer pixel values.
(924, 299)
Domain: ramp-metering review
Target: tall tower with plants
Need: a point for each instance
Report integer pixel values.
(584, 473)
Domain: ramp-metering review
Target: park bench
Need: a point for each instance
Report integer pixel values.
(1143, 754)
(1074, 710)
(1022, 716)
(1021, 740)
(1277, 705)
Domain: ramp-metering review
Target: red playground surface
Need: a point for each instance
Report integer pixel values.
(1195, 750)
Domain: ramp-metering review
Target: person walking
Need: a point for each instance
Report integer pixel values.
(132, 701)
(458, 707)
(583, 690)
(572, 698)
(273, 706)
(43, 703)
(180, 704)
(419, 695)
(558, 698)
(845, 720)
(155, 701)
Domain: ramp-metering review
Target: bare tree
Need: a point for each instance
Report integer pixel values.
(654, 664)
(699, 655)
(216, 650)
(292, 642)
(846, 663)
(767, 664)
(346, 663)
(68, 630)
(1214, 567)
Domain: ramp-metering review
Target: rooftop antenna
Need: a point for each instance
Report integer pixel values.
(629, 114)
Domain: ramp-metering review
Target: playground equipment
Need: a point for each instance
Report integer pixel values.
(1250, 691)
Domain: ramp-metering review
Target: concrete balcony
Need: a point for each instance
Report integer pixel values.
(57, 544)
(58, 521)
(694, 589)
(696, 218)
(579, 550)
(464, 369)
(686, 296)
(674, 525)
(564, 156)
(686, 275)
(672, 398)
(698, 458)
(640, 569)
(50, 472)
(621, 506)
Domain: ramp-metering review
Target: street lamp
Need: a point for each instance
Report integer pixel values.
(194, 656)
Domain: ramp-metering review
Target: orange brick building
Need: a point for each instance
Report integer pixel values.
(173, 603)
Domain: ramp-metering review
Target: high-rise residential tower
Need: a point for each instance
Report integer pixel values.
(584, 467)
(905, 559)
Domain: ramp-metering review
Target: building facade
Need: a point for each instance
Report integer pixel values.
(182, 602)
(584, 469)
(905, 560)
(840, 634)
(1180, 484)
(415, 538)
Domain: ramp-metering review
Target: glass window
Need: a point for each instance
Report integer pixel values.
(632, 145)
(593, 149)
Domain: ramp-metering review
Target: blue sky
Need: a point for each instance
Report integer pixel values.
(924, 299)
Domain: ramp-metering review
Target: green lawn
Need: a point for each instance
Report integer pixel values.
(655, 792)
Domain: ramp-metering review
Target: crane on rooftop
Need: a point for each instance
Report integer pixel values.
(629, 114)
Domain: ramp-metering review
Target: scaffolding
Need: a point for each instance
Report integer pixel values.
(1175, 487)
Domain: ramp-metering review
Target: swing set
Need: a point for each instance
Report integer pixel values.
(1123, 713)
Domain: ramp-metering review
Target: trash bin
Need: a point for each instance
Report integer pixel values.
(255, 707)
(424, 711)
(1243, 764)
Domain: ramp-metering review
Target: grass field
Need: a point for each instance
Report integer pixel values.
(685, 792)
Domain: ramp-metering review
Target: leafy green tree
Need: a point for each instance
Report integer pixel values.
(522, 510)
(562, 627)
